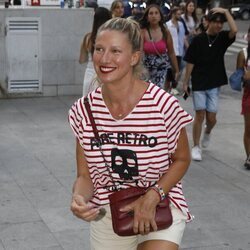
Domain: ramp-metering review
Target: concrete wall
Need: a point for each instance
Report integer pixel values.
(62, 31)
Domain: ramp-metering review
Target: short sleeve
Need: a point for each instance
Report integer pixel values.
(225, 38)
(175, 119)
(76, 119)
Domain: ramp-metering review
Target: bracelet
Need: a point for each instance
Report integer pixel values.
(160, 191)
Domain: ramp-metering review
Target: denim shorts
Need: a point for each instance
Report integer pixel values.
(206, 100)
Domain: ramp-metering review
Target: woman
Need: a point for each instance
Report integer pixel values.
(243, 61)
(87, 47)
(157, 46)
(203, 25)
(117, 8)
(190, 18)
(155, 146)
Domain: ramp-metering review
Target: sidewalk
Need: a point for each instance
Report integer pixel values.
(37, 170)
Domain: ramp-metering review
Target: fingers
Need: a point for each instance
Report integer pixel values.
(82, 210)
(144, 226)
(153, 225)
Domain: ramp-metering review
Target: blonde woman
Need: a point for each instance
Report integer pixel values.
(137, 119)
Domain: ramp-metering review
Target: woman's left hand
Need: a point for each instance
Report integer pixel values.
(144, 210)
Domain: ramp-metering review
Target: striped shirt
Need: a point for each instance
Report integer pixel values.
(137, 148)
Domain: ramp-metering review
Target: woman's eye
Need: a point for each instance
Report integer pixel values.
(116, 51)
(98, 49)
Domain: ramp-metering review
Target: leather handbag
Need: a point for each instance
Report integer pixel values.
(122, 222)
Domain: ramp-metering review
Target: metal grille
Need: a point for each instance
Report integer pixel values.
(23, 85)
(23, 25)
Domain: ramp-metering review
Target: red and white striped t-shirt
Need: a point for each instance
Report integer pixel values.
(136, 148)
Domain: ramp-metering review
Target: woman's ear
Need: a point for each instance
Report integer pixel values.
(135, 58)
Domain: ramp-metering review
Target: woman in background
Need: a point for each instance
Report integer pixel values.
(243, 61)
(117, 8)
(157, 46)
(190, 19)
(101, 16)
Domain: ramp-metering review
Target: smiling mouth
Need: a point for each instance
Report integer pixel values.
(107, 69)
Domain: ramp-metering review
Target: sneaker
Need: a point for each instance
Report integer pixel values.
(196, 153)
(174, 92)
(205, 140)
(247, 163)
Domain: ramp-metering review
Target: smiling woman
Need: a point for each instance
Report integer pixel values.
(142, 143)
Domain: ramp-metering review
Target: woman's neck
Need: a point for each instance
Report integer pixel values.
(120, 99)
(117, 93)
(154, 27)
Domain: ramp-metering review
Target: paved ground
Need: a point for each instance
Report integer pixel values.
(37, 169)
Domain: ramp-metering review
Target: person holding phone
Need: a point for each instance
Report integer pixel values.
(205, 65)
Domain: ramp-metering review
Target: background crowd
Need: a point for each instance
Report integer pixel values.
(167, 32)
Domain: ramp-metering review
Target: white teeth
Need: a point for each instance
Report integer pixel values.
(104, 69)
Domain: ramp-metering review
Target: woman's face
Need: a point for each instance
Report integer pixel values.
(118, 10)
(154, 16)
(190, 8)
(113, 57)
(178, 14)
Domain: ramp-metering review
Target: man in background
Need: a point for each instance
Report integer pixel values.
(205, 65)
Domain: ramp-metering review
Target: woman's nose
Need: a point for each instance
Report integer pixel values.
(105, 57)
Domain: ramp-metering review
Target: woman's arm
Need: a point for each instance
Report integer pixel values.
(171, 53)
(83, 185)
(240, 60)
(83, 189)
(180, 163)
(83, 51)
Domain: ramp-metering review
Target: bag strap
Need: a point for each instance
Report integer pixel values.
(92, 120)
(97, 138)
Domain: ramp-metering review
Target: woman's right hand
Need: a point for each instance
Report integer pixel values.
(83, 210)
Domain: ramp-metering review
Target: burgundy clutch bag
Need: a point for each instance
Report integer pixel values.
(123, 221)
